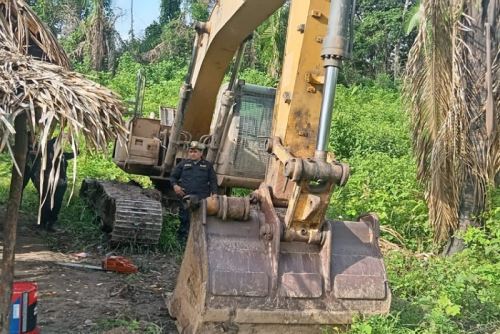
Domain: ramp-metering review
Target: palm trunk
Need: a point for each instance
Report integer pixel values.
(465, 220)
(475, 82)
(396, 66)
(97, 37)
(10, 222)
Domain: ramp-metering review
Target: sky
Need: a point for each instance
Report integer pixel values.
(145, 12)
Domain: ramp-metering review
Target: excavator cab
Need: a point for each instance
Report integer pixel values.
(241, 160)
(131, 214)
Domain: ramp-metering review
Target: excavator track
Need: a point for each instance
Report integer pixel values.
(127, 211)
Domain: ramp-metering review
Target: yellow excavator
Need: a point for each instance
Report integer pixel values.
(269, 262)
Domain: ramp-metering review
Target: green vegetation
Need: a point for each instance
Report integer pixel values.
(431, 294)
(370, 133)
(128, 326)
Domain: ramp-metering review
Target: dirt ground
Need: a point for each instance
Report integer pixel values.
(74, 300)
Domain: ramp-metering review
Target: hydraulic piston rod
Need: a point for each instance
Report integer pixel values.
(336, 47)
(331, 74)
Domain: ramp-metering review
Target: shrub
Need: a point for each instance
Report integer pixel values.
(368, 120)
(386, 186)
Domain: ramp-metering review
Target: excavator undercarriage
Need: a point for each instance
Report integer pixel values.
(126, 211)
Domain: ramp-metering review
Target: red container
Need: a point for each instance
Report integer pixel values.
(24, 309)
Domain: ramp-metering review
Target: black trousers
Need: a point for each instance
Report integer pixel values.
(49, 215)
(184, 218)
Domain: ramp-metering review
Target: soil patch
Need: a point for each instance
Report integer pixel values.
(75, 300)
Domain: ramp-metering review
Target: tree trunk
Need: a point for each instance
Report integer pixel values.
(97, 45)
(481, 37)
(396, 66)
(10, 222)
(465, 219)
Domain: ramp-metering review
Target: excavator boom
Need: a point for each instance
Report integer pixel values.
(230, 23)
(271, 263)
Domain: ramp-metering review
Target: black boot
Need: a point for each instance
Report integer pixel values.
(50, 227)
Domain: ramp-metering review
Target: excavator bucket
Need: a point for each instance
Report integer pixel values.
(238, 276)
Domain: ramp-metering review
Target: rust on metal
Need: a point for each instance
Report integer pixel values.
(232, 275)
(228, 208)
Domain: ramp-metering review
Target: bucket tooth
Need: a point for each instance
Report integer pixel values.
(228, 277)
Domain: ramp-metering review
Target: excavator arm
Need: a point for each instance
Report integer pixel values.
(300, 173)
(272, 263)
(230, 23)
(217, 40)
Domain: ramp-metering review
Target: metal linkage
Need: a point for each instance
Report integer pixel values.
(229, 208)
(316, 170)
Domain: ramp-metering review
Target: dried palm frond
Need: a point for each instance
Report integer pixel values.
(444, 88)
(23, 30)
(428, 91)
(476, 31)
(155, 53)
(386, 245)
(57, 102)
(428, 76)
(494, 159)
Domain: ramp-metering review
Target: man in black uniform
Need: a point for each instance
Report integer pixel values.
(193, 176)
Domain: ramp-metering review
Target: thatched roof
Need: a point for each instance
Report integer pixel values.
(50, 95)
(29, 34)
(57, 102)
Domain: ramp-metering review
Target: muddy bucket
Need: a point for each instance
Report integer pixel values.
(239, 276)
(24, 308)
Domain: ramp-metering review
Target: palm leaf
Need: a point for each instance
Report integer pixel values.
(415, 16)
(58, 102)
(26, 31)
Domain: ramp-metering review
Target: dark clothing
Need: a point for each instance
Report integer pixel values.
(49, 213)
(195, 177)
(184, 218)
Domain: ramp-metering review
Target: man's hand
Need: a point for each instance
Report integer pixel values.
(179, 191)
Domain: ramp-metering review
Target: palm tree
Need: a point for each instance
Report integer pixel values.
(47, 99)
(101, 36)
(269, 41)
(452, 86)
